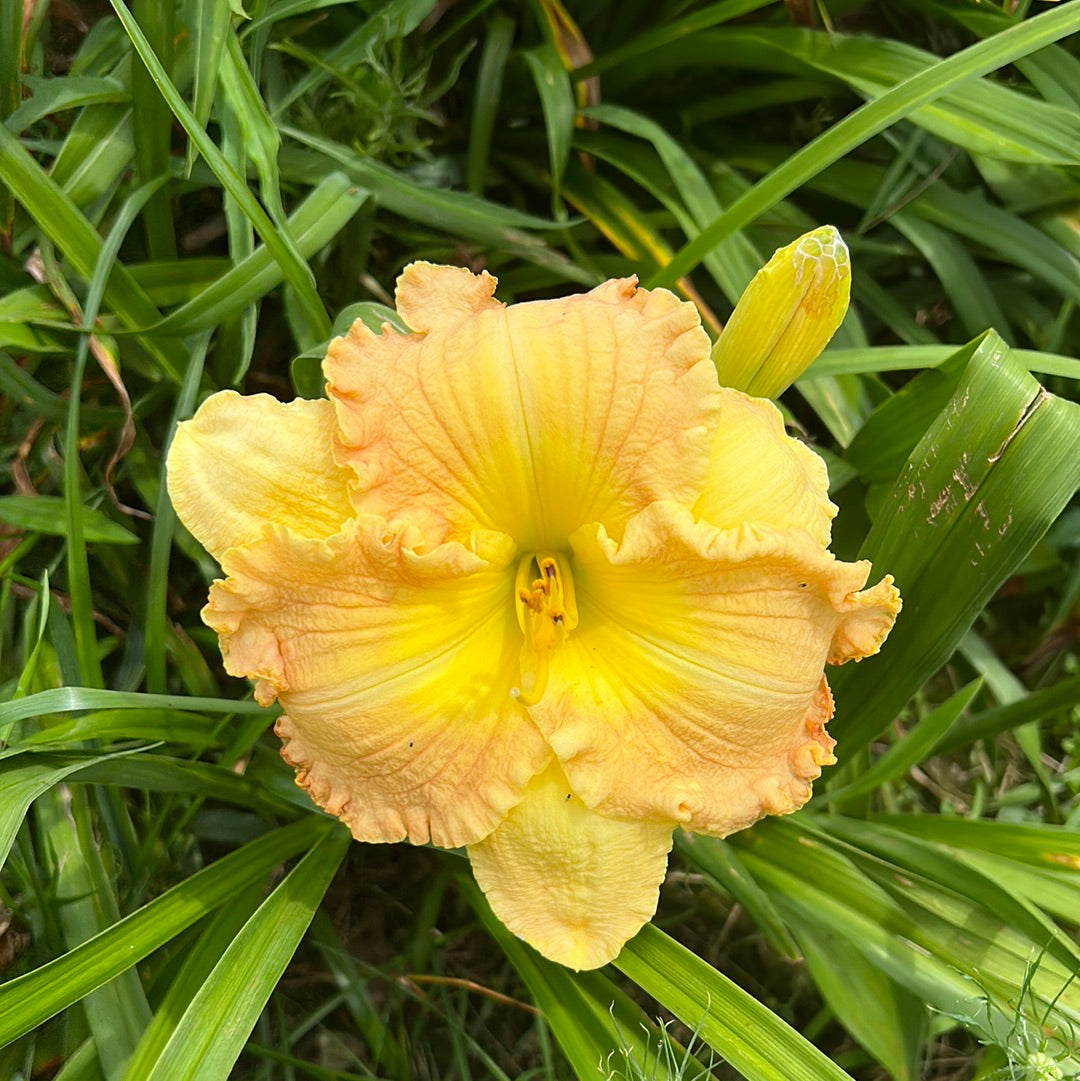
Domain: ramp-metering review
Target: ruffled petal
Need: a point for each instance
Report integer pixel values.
(758, 473)
(573, 884)
(394, 670)
(529, 420)
(242, 464)
(692, 687)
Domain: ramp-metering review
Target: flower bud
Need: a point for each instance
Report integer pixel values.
(786, 315)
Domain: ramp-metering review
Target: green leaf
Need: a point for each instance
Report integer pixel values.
(22, 780)
(915, 745)
(210, 1036)
(895, 358)
(98, 149)
(60, 219)
(220, 929)
(393, 19)
(981, 116)
(735, 260)
(486, 98)
(870, 119)
(280, 244)
(71, 699)
(45, 514)
(209, 23)
(719, 862)
(185, 727)
(152, 125)
(886, 1018)
(50, 95)
(1035, 706)
(598, 1027)
(29, 1000)
(756, 1042)
(260, 137)
(985, 481)
(557, 101)
(316, 222)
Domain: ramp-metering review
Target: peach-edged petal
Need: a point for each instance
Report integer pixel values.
(692, 687)
(529, 420)
(394, 669)
(241, 464)
(758, 473)
(573, 884)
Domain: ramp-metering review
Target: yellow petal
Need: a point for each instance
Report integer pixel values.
(530, 419)
(693, 686)
(573, 884)
(242, 464)
(758, 473)
(394, 670)
(786, 316)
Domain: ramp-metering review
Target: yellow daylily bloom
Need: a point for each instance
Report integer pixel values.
(786, 315)
(531, 582)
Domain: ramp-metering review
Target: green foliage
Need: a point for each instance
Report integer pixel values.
(191, 190)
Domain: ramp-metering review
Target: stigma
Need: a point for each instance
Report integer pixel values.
(546, 613)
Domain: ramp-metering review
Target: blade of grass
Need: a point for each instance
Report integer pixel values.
(209, 1037)
(29, 1000)
(457, 213)
(1036, 706)
(152, 124)
(22, 780)
(49, 96)
(394, 19)
(77, 563)
(209, 24)
(117, 1011)
(735, 260)
(279, 243)
(157, 577)
(753, 1039)
(870, 119)
(10, 97)
(900, 358)
(678, 30)
(47, 514)
(486, 97)
(882, 1015)
(57, 216)
(985, 481)
(559, 108)
(594, 1023)
(222, 927)
(73, 699)
(318, 220)
(917, 744)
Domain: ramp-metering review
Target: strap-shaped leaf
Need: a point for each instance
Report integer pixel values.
(758, 1043)
(211, 1034)
(28, 1000)
(981, 486)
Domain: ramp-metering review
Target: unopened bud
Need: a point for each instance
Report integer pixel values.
(786, 315)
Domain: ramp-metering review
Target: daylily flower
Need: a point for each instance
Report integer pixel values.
(531, 582)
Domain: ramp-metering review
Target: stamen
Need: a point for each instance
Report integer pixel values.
(546, 612)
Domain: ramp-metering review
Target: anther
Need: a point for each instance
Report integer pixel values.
(546, 613)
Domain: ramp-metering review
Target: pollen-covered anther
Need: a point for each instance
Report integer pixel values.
(546, 613)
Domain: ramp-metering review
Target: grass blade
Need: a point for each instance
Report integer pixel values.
(210, 1036)
(872, 118)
